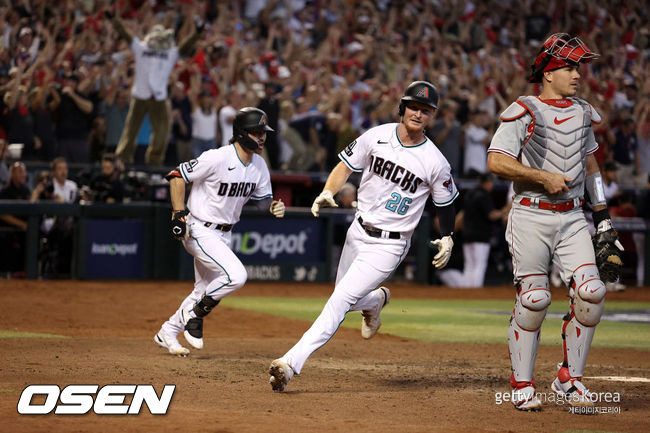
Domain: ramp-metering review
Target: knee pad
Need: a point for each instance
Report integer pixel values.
(204, 306)
(588, 295)
(532, 302)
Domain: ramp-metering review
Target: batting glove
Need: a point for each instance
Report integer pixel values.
(444, 245)
(179, 228)
(277, 208)
(324, 199)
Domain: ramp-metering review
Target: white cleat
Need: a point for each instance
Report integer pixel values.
(573, 391)
(170, 343)
(525, 399)
(371, 320)
(193, 332)
(281, 373)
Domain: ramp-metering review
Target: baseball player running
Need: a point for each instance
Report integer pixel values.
(545, 144)
(401, 167)
(223, 180)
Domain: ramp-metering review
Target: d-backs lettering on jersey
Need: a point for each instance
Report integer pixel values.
(222, 184)
(236, 189)
(395, 173)
(397, 179)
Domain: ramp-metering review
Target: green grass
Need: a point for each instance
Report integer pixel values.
(17, 334)
(464, 321)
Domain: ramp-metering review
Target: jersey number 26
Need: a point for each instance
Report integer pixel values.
(398, 204)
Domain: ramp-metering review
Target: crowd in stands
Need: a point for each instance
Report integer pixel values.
(324, 72)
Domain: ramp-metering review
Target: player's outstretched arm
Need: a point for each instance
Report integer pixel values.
(177, 193)
(335, 181)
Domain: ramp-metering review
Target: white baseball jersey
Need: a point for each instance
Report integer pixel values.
(222, 184)
(67, 191)
(152, 70)
(397, 179)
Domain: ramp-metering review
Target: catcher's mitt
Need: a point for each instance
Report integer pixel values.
(608, 255)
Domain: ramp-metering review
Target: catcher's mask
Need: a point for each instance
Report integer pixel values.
(419, 91)
(249, 119)
(558, 51)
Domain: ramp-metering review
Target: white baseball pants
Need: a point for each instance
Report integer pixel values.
(365, 263)
(217, 270)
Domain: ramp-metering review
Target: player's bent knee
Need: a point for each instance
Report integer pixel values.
(238, 276)
(534, 299)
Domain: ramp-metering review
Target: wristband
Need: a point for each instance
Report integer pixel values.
(600, 215)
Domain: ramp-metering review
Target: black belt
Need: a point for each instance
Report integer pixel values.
(222, 227)
(378, 233)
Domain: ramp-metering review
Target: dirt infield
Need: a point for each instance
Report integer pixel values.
(386, 384)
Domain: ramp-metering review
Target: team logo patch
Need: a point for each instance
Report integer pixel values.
(263, 121)
(349, 147)
(423, 93)
(449, 184)
(189, 165)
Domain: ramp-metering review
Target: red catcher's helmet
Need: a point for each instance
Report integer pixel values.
(558, 51)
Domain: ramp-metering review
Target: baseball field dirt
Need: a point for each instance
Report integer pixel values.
(386, 384)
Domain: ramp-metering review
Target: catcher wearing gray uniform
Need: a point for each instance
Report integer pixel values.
(545, 145)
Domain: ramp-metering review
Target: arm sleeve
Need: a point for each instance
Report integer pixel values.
(263, 204)
(446, 218)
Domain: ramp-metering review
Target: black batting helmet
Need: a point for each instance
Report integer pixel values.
(419, 91)
(249, 119)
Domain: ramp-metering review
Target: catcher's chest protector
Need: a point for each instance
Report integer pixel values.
(558, 143)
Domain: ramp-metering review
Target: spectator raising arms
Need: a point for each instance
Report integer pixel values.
(155, 57)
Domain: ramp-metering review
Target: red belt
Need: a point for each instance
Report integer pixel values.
(555, 207)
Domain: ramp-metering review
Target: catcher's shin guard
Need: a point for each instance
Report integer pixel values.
(587, 303)
(533, 299)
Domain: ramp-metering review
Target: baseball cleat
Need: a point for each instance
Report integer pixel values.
(572, 389)
(523, 395)
(371, 321)
(525, 399)
(193, 329)
(170, 343)
(281, 373)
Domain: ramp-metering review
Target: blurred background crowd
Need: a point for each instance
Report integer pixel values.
(324, 72)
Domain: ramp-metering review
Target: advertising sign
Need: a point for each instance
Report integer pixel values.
(114, 249)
